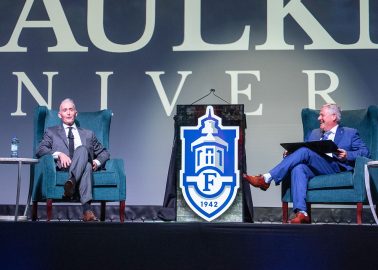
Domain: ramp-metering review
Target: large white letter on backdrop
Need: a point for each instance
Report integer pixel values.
(155, 75)
(312, 91)
(277, 11)
(104, 75)
(192, 33)
(58, 22)
(235, 91)
(97, 33)
(24, 79)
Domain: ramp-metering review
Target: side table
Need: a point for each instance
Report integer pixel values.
(19, 161)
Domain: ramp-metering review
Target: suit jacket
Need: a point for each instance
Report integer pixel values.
(348, 139)
(55, 140)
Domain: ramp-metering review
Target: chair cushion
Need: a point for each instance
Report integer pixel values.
(102, 178)
(105, 178)
(339, 180)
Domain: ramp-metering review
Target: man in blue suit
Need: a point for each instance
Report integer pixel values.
(77, 151)
(303, 164)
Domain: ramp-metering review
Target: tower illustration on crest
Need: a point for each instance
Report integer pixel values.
(209, 177)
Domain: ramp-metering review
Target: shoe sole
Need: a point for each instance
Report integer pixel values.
(303, 222)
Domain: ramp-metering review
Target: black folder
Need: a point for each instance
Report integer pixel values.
(324, 146)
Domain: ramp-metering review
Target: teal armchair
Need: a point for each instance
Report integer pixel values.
(109, 184)
(344, 187)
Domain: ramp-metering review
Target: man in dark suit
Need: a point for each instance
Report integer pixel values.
(303, 164)
(77, 150)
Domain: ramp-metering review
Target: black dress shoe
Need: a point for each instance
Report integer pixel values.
(69, 188)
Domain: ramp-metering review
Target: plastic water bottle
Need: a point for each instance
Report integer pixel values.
(14, 147)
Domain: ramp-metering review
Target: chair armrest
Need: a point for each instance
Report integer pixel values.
(359, 176)
(44, 177)
(373, 177)
(48, 162)
(117, 165)
(359, 167)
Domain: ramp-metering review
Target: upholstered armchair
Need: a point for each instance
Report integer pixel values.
(345, 187)
(109, 184)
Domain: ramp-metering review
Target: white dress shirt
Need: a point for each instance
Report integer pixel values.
(331, 136)
(77, 141)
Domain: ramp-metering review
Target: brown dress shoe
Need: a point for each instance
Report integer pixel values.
(69, 188)
(300, 218)
(89, 216)
(257, 181)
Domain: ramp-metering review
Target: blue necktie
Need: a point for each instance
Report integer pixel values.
(326, 135)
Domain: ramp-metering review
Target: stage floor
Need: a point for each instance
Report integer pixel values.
(171, 245)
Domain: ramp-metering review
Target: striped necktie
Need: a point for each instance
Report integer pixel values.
(326, 135)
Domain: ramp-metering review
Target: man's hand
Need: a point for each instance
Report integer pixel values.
(65, 160)
(285, 153)
(342, 154)
(94, 166)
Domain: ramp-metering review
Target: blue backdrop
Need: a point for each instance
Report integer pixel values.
(141, 58)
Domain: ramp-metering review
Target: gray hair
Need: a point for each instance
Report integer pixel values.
(334, 109)
(67, 100)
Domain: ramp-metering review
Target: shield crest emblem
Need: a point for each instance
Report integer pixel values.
(209, 177)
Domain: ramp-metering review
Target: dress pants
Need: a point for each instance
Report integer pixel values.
(81, 170)
(301, 166)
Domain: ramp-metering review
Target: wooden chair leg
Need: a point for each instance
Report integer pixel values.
(285, 212)
(48, 209)
(103, 211)
(359, 213)
(308, 205)
(122, 206)
(34, 211)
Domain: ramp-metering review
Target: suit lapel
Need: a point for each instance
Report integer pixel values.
(319, 134)
(82, 136)
(339, 134)
(62, 134)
